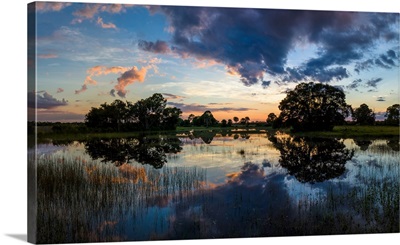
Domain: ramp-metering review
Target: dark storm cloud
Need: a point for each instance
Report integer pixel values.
(373, 82)
(44, 100)
(201, 108)
(365, 65)
(257, 41)
(386, 60)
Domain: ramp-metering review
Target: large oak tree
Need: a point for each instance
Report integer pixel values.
(314, 107)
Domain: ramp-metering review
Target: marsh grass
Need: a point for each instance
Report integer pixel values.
(86, 201)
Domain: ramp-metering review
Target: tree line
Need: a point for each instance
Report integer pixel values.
(308, 107)
(319, 107)
(146, 114)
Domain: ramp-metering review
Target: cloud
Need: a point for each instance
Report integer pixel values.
(355, 84)
(201, 108)
(59, 116)
(387, 60)
(98, 71)
(47, 56)
(60, 90)
(381, 99)
(112, 92)
(50, 6)
(105, 25)
(265, 84)
(158, 47)
(83, 89)
(44, 100)
(256, 42)
(129, 77)
(373, 82)
(172, 96)
(90, 10)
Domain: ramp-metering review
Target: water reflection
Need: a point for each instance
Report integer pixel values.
(363, 144)
(394, 144)
(151, 149)
(312, 159)
(206, 136)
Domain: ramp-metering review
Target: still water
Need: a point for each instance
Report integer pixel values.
(215, 185)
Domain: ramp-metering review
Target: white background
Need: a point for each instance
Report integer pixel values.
(13, 94)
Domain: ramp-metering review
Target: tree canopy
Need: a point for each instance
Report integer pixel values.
(363, 115)
(146, 114)
(392, 115)
(314, 106)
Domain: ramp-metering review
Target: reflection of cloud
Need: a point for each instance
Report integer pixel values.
(44, 100)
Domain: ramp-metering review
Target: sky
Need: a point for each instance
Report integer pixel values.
(231, 61)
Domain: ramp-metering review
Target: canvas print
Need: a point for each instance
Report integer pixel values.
(151, 122)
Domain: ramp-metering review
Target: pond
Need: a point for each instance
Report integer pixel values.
(215, 185)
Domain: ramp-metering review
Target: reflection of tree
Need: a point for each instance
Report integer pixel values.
(144, 149)
(312, 159)
(394, 144)
(363, 144)
(207, 136)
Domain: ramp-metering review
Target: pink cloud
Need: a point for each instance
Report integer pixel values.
(98, 71)
(83, 89)
(47, 56)
(89, 80)
(50, 6)
(129, 77)
(88, 12)
(92, 9)
(105, 25)
(103, 70)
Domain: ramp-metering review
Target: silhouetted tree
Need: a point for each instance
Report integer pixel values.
(236, 119)
(223, 123)
(146, 114)
(207, 119)
(392, 115)
(271, 118)
(313, 107)
(229, 122)
(247, 120)
(363, 115)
